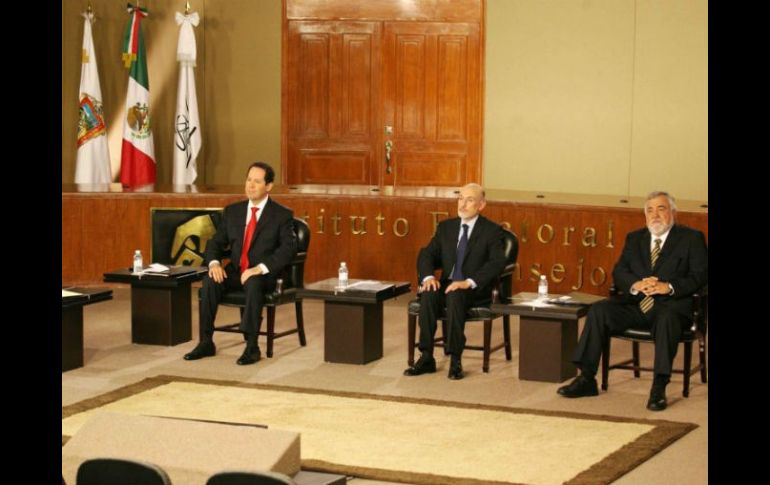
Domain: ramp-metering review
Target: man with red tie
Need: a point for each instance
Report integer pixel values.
(259, 235)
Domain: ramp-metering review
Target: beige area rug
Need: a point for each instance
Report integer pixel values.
(406, 440)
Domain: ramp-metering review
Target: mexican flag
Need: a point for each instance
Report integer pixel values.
(137, 158)
(93, 159)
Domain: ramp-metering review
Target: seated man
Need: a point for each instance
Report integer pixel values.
(260, 236)
(660, 268)
(469, 251)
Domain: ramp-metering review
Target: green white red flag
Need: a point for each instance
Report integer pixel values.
(137, 158)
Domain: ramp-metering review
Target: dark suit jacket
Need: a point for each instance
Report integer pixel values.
(484, 257)
(683, 262)
(274, 242)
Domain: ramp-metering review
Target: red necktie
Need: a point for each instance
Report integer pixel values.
(247, 239)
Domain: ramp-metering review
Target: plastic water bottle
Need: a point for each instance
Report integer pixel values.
(542, 287)
(342, 275)
(138, 266)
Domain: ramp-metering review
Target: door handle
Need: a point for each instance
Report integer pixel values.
(388, 148)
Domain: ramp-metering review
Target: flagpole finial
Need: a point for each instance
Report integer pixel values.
(89, 9)
(187, 8)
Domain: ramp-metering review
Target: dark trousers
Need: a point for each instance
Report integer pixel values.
(457, 303)
(251, 316)
(611, 317)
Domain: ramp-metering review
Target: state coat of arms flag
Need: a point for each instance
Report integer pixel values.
(187, 132)
(137, 157)
(93, 158)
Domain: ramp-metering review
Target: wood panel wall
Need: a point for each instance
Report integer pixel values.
(377, 235)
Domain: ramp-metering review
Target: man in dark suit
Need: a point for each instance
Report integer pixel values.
(660, 268)
(469, 251)
(259, 234)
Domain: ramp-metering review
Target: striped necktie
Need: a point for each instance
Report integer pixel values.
(648, 301)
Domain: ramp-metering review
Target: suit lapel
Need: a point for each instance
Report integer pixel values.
(454, 236)
(644, 249)
(240, 217)
(671, 242)
(475, 236)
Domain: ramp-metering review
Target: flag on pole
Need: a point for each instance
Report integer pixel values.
(137, 157)
(93, 159)
(187, 133)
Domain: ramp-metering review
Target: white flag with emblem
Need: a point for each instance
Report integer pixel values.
(93, 159)
(187, 132)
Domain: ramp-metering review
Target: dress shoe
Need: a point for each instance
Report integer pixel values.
(456, 370)
(657, 401)
(250, 355)
(203, 349)
(581, 386)
(426, 364)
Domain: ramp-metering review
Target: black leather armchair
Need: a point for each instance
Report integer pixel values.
(696, 332)
(503, 287)
(249, 478)
(114, 471)
(290, 281)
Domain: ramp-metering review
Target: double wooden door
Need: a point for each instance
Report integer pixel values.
(382, 102)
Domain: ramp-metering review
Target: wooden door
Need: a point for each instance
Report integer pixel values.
(432, 103)
(332, 102)
(391, 100)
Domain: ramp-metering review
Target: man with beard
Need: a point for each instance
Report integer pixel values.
(660, 268)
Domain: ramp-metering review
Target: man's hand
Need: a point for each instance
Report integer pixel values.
(216, 273)
(458, 285)
(431, 284)
(652, 286)
(255, 271)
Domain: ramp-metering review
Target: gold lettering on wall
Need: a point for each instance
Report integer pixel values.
(579, 275)
(545, 228)
(435, 218)
(506, 225)
(602, 276)
(610, 235)
(517, 271)
(335, 220)
(354, 229)
(557, 273)
(379, 220)
(402, 222)
(589, 237)
(321, 222)
(534, 272)
(523, 235)
(567, 233)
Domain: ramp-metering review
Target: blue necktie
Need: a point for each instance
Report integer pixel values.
(457, 273)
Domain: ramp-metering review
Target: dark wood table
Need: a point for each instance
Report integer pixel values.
(353, 317)
(547, 334)
(161, 311)
(72, 323)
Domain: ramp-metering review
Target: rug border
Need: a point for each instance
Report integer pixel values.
(607, 470)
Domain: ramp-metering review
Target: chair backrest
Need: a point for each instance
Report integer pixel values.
(249, 478)
(114, 471)
(511, 249)
(294, 275)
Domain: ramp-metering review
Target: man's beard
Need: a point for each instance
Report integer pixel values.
(658, 228)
